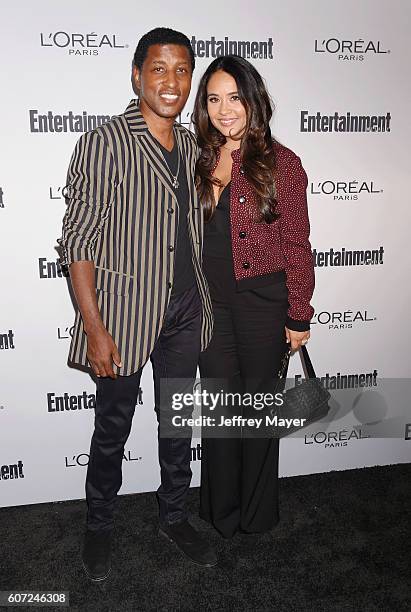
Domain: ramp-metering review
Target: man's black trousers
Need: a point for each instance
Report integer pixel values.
(175, 355)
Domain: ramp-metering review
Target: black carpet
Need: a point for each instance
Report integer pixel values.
(343, 543)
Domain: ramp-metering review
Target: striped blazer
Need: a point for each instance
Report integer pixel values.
(122, 214)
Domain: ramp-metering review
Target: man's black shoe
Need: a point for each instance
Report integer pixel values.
(190, 542)
(96, 554)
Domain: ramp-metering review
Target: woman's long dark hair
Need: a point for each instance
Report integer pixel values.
(257, 152)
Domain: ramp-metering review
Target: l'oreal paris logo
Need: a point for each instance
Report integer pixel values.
(345, 319)
(350, 50)
(82, 459)
(335, 439)
(81, 44)
(344, 190)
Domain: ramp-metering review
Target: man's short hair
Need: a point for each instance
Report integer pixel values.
(161, 36)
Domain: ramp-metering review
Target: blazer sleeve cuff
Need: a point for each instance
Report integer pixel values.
(295, 325)
(69, 255)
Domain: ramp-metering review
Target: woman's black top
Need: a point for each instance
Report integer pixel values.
(217, 233)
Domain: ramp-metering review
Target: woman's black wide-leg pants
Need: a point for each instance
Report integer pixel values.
(239, 478)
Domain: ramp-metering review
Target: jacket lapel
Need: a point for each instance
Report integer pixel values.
(147, 143)
(187, 158)
(194, 214)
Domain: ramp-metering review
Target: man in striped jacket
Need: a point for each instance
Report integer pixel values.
(132, 238)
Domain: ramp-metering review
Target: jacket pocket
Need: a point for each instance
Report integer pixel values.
(112, 282)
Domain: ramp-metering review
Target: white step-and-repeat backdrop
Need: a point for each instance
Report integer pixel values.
(338, 72)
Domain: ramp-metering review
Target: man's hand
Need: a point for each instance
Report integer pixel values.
(296, 338)
(101, 349)
(102, 352)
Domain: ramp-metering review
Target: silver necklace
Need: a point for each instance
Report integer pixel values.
(174, 182)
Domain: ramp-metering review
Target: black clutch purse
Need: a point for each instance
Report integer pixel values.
(303, 404)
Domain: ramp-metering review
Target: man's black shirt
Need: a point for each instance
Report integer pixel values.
(184, 277)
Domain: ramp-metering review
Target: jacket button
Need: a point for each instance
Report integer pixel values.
(242, 234)
(171, 248)
(242, 170)
(170, 211)
(242, 199)
(246, 265)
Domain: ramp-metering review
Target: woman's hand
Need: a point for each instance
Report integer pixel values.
(296, 338)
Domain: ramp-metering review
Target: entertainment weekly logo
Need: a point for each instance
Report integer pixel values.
(81, 44)
(345, 190)
(249, 49)
(350, 50)
(56, 123)
(52, 269)
(83, 401)
(7, 340)
(337, 258)
(196, 452)
(344, 122)
(337, 381)
(342, 320)
(12, 471)
(70, 403)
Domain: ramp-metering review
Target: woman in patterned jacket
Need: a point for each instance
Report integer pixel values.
(258, 262)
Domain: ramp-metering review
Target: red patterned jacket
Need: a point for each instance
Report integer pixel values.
(261, 249)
